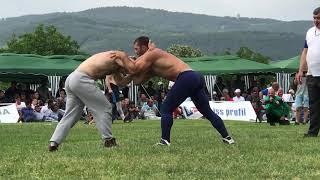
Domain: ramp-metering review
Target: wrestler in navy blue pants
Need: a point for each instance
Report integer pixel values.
(188, 84)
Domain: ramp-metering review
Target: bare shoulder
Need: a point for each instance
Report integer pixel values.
(155, 53)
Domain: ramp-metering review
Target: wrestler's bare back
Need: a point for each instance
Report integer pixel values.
(99, 65)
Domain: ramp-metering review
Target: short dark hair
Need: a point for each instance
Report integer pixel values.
(142, 41)
(316, 11)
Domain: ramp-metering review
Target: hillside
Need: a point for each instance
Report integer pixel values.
(116, 27)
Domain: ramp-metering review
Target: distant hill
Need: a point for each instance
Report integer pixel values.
(116, 27)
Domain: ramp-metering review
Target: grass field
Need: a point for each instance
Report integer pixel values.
(197, 152)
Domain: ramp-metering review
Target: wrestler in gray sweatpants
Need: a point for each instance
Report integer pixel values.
(81, 90)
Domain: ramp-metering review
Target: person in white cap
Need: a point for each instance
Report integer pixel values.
(238, 96)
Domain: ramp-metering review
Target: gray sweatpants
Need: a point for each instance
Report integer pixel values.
(81, 90)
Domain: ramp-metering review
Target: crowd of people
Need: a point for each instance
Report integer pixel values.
(35, 106)
(40, 105)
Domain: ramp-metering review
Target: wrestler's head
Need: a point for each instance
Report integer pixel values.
(140, 45)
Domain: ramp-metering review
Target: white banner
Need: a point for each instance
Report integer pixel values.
(227, 110)
(9, 114)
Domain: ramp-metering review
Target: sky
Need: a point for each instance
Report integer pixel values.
(287, 10)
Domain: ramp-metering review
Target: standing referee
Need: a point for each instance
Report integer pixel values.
(310, 60)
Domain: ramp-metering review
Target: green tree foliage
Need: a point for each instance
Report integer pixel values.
(184, 51)
(246, 53)
(43, 41)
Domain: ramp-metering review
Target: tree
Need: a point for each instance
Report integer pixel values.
(246, 53)
(184, 51)
(43, 41)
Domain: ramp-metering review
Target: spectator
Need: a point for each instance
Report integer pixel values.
(27, 113)
(46, 110)
(36, 95)
(19, 104)
(256, 103)
(112, 90)
(142, 100)
(132, 113)
(226, 96)
(23, 97)
(38, 116)
(302, 101)
(160, 89)
(149, 110)
(61, 103)
(215, 96)
(276, 110)
(280, 92)
(34, 103)
(238, 96)
(61, 85)
(177, 113)
(63, 95)
(265, 92)
(54, 115)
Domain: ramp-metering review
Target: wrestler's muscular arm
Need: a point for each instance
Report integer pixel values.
(122, 59)
(143, 66)
(121, 79)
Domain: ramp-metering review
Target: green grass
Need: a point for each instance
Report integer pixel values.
(261, 152)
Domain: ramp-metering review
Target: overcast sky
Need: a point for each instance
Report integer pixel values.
(276, 9)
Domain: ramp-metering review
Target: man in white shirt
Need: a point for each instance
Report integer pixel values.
(310, 60)
(149, 110)
(238, 96)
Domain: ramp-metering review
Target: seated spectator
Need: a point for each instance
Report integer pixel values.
(46, 110)
(27, 114)
(54, 115)
(131, 113)
(36, 95)
(238, 96)
(63, 95)
(41, 103)
(149, 110)
(38, 116)
(177, 113)
(280, 92)
(19, 104)
(34, 103)
(23, 97)
(61, 103)
(142, 100)
(225, 95)
(215, 96)
(276, 110)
